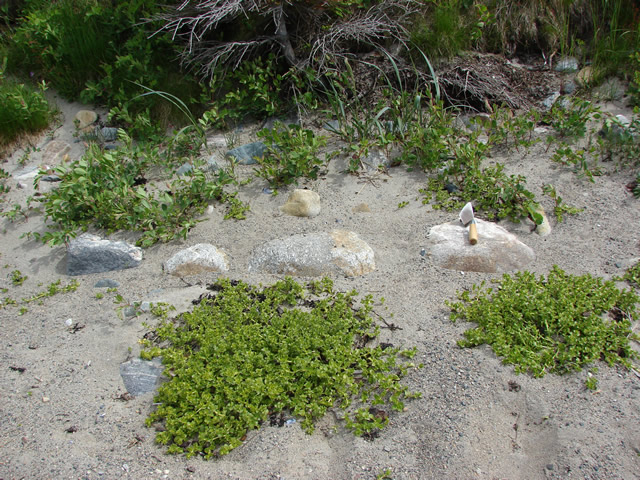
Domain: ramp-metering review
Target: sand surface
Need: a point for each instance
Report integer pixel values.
(469, 423)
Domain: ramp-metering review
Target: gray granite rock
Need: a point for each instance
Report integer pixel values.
(566, 65)
(247, 154)
(197, 259)
(568, 87)
(619, 130)
(376, 159)
(92, 254)
(302, 203)
(497, 250)
(339, 252)
(184, 169)
(141, 376)
(213, 164)
(550, 100)
(55, 151)
(332, 126)
(611, 89)
(27, 173)
(109, 134)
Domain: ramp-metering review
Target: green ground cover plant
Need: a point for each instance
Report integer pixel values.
(52, 289)
(292, 152)
(557, 324)
(246, 354)
(632, 275)
(109, 190)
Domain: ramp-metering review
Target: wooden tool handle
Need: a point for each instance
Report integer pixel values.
(473, 233)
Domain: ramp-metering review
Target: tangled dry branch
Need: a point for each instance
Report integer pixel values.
(330, 36)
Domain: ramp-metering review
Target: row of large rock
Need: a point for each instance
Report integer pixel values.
(338, 252)
(334, 253)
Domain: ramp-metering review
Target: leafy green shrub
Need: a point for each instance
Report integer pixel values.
(560, 207)
(23, 109)
(632, 275)
(463, 179)
(65, 41)
(621, 142)
(107, 189)
(570, 120)
(580, 158)
(550, 325)
(292, 152)
(245, 354)
(254, 89)
(101, 53)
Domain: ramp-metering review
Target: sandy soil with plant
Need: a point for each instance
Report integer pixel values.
(61, 406)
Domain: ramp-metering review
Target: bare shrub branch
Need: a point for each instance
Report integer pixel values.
(330, 36)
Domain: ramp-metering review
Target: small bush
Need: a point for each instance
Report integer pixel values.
(633, 275)
(292, 153)
(109, 190)
(246, 354)
(23, 109)
(552, 325)
(255, 89)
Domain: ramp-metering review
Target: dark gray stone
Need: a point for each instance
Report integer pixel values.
(50, 178)
(184, 169)
(286, 121)
(332, 126)
(109, 134)
(247, 154)
(91, 254)
(141, 376)
(568, 87)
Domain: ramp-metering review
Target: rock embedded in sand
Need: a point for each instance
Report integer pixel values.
(544, 228)
(92, 254)
(140, 376)
(55, 151)
(302, 203)
(585, 76)
(247, 154)
(200, 258)
(338, 252)
(566, 65)
(497, 250)
(84, 118)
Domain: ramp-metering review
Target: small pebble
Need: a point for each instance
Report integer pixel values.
(68, 322)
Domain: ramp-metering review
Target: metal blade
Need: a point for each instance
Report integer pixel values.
(466, 214)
